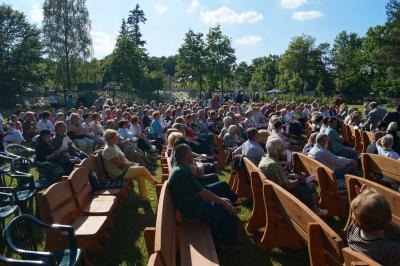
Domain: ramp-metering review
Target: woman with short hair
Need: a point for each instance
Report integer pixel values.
(117, 166)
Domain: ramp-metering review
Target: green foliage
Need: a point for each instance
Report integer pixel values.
(125, 65)
(20, 53)
(265, 73)
(66, 34)
(132, 26)
(303, 65)
(220, 58)
(242, 75)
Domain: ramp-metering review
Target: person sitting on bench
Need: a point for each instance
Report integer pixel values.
(199, 203)
(371, 214)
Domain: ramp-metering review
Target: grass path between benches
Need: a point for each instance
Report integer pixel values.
(126, 245)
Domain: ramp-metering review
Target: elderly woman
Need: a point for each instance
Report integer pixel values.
(232, 139)
(227, 122)
(77, 134)
(297, 185)
(143, 143)
(385, 147)
(118, 166)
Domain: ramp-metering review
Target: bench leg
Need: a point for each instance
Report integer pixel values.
(149, 238)
(158, 190)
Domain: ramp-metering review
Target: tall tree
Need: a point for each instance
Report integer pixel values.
(265, 73)
(136, 16)
(303, 65)
(124, 28)
(221, 57)
(350, 70)
(191, 62)
(20, 51)
(125, 65)
(66, 34)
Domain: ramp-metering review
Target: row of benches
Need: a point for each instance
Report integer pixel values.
(193, 240)
(72, 202)
(287, 222)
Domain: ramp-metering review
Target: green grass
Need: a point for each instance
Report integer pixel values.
(360, 108)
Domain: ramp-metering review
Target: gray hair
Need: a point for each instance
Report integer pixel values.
(227, 120)
(232, 129)
(274, 147)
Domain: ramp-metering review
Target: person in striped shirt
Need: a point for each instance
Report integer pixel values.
(371, 214)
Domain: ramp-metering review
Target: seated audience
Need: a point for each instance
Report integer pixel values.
(251, 148)
(385, 147)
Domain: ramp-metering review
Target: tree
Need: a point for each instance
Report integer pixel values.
(242, 75)
(191, 62)
(303, 65)
(349, 66)
(125, 65)
(220, 57)
(66, 34)
(20, 53)
(124, 28)
(136, 17)
(265, 73)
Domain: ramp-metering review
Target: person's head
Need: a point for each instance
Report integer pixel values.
(86, 117)
(173, 137)
(183, 154)
(373, 105)
(252, 133)
(333, 122)
(74, 118)
(30, 117)
(179, 127)
(155, 115)
(263, 136)
(95, 117)
(45, 135)
(371, 211)
(274, 147)
(233, 129)
(317, 119)
(123, 124)
(249, 113)
(60, 128)
(45, 115)
(227, 121)
(322, 140)
(110, 124)
(387, 141)
(277, 125)
(135, 120)
(313, 138)
(392, 127)
(111, 136)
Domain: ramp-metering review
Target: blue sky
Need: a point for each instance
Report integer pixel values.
(256, 27)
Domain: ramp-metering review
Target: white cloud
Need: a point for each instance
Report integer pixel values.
(250, 40)
(194, 5)
(293, 3)
(103, 43)
(307, 15)
(227, 15)
(161, 8)
(36, 13)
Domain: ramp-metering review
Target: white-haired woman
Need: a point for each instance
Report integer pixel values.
(118, 166)
(297, 185)
(232, 139)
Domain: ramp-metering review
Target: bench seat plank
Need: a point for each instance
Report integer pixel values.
(88, 225)
(197, 245)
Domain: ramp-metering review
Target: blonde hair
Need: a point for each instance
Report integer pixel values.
(264, 134)
(371, 211)
(109, 134)
(173, 137)
(387, 141)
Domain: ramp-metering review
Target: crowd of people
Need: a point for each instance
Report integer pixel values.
(130, 139)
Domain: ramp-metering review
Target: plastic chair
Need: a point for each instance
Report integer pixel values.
(20, 238)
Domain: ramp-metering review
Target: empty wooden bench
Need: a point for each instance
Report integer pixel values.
(289, 223)
(56, 204)
(375, 167)
(194, 240)
(330, 197)
(353, 258)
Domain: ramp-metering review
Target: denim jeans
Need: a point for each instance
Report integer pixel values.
(348, 153)
(305, 193)
(223, 225)
(222, 189)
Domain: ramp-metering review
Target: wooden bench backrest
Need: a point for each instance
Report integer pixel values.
(390, 195)
(325, 246)
(79, 181)
(56, 204)
(305, 164)
(367, 138)
(358, 146)
(350, 135)
(375, 165)
(353, 258)
(166, 227)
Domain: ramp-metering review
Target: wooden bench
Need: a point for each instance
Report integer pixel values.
(289, 223)
(90, 204)
(367, 138)
(375, 167)
(330, 197)
(358, 140)
(353, 258)
(56, 204)
(390, 195)
(192, 239)
(221, 153)
(240, 183)
(350, 136)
